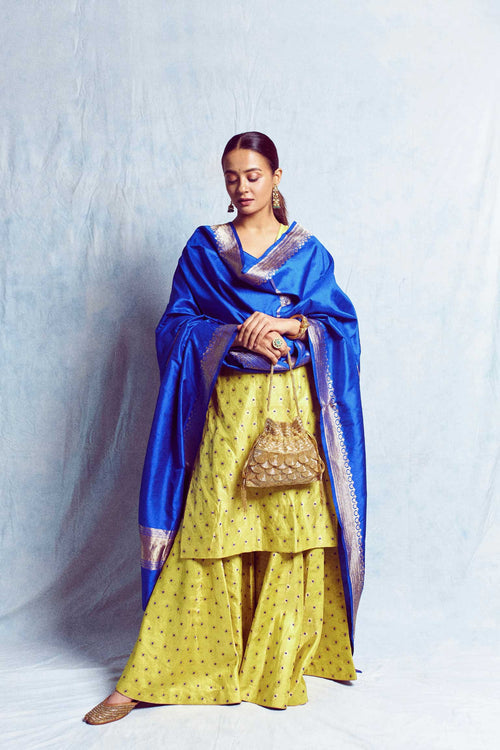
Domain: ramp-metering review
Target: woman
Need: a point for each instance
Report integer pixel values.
(244, 598)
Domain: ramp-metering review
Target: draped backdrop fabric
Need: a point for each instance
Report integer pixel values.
(113, 116)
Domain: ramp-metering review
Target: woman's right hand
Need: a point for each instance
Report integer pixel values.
(265, 346)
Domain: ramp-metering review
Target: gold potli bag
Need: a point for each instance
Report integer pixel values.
(284, 454)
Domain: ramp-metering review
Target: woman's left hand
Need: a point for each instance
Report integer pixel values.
(259, 324)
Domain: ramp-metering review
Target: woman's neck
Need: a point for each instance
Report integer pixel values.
(257, 223)
(256, 233)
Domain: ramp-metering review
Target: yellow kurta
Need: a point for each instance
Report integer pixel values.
(248, 601)
(281, 520)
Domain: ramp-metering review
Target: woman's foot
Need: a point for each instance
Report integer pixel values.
(116, 698)
(115, 707)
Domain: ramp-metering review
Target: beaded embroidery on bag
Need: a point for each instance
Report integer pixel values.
(284, 454)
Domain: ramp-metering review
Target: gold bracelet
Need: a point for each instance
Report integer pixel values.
(304, 325)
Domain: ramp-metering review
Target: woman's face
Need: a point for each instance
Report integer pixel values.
(249, 180)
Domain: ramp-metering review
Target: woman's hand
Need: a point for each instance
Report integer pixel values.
(264, 345)
(257, 327)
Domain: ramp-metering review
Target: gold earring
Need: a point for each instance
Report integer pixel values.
(230, 208)
(276, 198)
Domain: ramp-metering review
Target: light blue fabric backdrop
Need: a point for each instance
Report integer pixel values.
(113, 115)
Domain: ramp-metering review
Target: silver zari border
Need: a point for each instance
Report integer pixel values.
(155, 546)
(336, 450)
(264, 269)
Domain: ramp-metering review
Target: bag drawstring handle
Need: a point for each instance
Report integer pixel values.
(293, 386)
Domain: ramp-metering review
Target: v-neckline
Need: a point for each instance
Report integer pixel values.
(247, 259)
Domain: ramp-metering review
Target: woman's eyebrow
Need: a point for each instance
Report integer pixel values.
(252, 169)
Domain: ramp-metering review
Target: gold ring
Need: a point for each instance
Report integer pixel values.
(277, 343)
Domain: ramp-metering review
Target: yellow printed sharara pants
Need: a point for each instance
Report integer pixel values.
(249, 600)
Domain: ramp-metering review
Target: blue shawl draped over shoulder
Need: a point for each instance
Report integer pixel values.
(216, 286)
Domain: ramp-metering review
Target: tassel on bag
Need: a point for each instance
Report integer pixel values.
(284, 454)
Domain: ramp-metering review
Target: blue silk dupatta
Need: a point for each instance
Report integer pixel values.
(216, 286)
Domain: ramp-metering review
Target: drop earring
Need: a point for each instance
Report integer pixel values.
(230, 208)
(276, 198)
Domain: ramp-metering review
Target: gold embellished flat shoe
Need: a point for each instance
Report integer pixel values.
(104, 712)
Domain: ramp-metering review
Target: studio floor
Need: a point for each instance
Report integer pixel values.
(446, 699)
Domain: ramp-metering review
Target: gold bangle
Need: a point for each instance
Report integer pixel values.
(304, 325)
